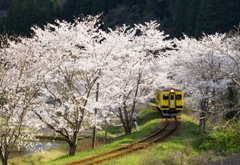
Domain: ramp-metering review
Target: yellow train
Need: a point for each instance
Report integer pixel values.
(169, 101)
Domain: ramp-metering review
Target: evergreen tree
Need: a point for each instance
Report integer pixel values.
(192, 16)
(162, 6)
(217, 16)
(208, 18)
(181, 17)
(23, 14)
(56, 5)
(151, 10)
(205, 16)
(47, 11)
(110, 4)
(131, 3)
(69, 10)
(5, 3)
(28, 16)
(117, 16)
(229, 14)
(14, 21)
(11, 13)
(85, 7)
(98, 6)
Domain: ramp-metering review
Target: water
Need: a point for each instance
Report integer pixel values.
(40, 146)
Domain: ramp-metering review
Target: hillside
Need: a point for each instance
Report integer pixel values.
(175, 16)
(3, 8)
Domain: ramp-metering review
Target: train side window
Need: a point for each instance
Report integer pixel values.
(179, 97)
(165, 97)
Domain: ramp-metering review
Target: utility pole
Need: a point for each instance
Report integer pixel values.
(94, 128)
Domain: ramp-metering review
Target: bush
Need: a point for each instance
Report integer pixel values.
(222, 140)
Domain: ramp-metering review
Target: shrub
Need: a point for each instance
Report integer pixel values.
(222, 140)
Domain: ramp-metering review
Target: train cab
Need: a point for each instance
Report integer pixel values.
(169, 101)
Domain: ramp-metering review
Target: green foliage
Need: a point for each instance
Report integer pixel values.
(176, 150)
(232, 101)
(222, 140)
(150, 11)
(110, 4)
(207, 18)
(98, 6)
(117, 16)
(232, 95)
(5, 3)
(198, 16)
(192, 17)
(47, 11)
(3, 98)
(148, 118)
(22, 14)
(149, 122)
(69, 10)
(180, 149)
(237, 105)
(181, 17)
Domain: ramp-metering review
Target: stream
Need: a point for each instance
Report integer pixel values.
(40, 146)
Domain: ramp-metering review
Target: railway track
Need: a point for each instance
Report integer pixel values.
(169, 126)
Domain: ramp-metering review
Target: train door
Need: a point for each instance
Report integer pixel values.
(172, 101)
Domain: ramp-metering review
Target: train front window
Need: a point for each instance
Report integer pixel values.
(179, 97)
(165, 97)
(172, 97)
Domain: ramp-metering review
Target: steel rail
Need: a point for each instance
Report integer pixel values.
(128, 148)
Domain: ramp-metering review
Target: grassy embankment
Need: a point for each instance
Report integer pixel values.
(149, 122)
(185, 148)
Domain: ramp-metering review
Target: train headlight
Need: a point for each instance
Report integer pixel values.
(171, 90)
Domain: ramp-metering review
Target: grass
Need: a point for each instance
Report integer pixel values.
(186, 147)
(40, 157)
(183, 149)
(148, 123)
(175, 150)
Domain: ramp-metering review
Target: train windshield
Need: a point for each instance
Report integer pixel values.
(179, 97)
(165, 97)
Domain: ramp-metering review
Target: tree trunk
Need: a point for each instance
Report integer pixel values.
(128, 131)
(125, 121)
(73, 144)
(127, 128)
(203, 119)
(72, 149)
(4, 158)
(4, 161)
(106, 132)
(4, 151)
(202, 122)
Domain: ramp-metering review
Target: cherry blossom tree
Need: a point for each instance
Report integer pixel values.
(18, 93)
(67, 60)
(80, 55)
(230, 48)
(74, 64)
(205, 72)
(137, 57)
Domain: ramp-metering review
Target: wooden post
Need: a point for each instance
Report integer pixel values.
(94, 128)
